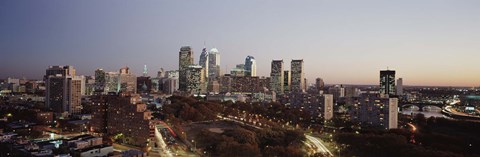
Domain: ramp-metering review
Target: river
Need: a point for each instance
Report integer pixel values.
(428, 111)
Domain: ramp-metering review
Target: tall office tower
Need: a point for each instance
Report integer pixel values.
(185, 59)
(89, 85)
(127, 81)
(100, 81)
(250, 66)
(399, 86)
(112, 82)
(277, 77)
(145, 71)
(286, 81)
(161, 73)
(370, 109)
(62, 70)
(63, 90)
(204, 61)
(214, 64)
(298, 76)
(170, 85)
(195, 79)
(387, 83)
(319, 84)
(328, 106)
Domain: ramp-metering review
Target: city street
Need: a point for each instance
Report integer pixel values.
(320, 147)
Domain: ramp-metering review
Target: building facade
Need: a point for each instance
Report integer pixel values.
(250, 66)
(387, 83)
(374, 111)
(185, 60)
(287, 79)
(399, 86)
(124, 116)
(204, 62)
(196, 79)
(214, 64)
(298, 76)
(277, 77)
(63, 90)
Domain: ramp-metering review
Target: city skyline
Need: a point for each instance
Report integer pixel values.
(429, 43)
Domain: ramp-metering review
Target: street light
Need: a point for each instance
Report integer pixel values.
(195, 144)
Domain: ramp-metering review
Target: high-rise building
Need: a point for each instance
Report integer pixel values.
(204, 61)
(298, 76)
(399, 86)
(185, 60)
(161, 73)
(287, 78)
(195, 79)
(173, 74)
(62, 70)
(277, 77)
(122, 114)
(239, 70)
(170, 85)
(371, 110)
(145, 71)
(387, 83)
(250, 66)
(63, 90)
(112, 82)
(100, 81)
(127, 81)
(319, 84)
(317, 105)
(328, 106)
(214, 64)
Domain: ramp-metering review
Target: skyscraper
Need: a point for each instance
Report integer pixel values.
(195, 79)
(277, 77)
(127, 81)
(204, 61)
(112, 82)
(100, 81)
(298, 76)
(145, 71)
(250, 66)
(328, 106)
(387, 83)
(399, 86)
(214, 64)
(319, 84)
(63, 90)
(185, 59)
(286, 80)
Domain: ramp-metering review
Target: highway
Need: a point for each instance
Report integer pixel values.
(318, 144)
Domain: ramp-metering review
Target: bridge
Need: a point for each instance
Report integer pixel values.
(421, 106)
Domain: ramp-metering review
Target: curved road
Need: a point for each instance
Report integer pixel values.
(318, 143)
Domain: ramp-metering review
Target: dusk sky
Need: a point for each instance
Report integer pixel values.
(428, 42)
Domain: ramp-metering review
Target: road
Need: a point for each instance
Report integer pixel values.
(318, 144)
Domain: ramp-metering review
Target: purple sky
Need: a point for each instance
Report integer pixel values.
(428, 42)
